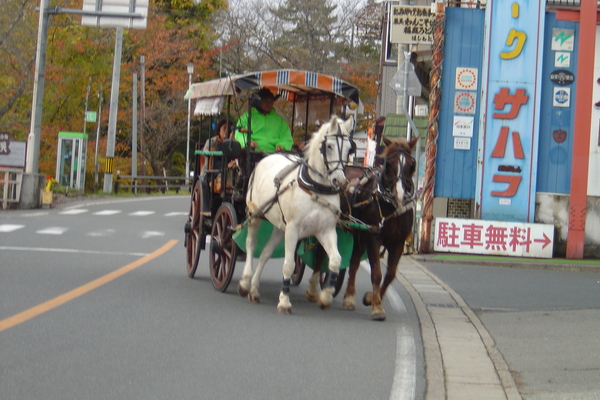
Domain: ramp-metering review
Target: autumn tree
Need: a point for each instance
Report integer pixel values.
(335, 37)
(79, 67)
(167, 52)
(18, 27)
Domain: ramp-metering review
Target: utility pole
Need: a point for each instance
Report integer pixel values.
(31, 184)
(98, 123)
(134, 129)
(112, 118)
(143, 116)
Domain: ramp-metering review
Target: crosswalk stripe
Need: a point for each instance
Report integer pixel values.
(107, 212)
(53, 230)
(141, 213)
(74, 211)
(148, 234)
(102, 233)
(176, 214)
(10, 227)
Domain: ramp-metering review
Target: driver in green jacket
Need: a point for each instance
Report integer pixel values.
(270, 132)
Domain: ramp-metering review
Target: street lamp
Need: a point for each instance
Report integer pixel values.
(190, 71)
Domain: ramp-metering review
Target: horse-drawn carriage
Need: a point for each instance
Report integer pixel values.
(312, 99)
(301, 195)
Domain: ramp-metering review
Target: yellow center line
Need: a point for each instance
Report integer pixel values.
(81, 290)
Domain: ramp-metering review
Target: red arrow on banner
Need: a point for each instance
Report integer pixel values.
(546, 240)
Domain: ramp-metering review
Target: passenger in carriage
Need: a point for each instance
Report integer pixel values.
(224, 131)
(270, 131)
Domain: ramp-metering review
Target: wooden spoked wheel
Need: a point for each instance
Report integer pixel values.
(298, 270)
(193, 231)
(223, 249)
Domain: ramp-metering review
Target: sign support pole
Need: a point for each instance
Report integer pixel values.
(112, 119)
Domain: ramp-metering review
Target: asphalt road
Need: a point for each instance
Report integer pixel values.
(95, 303)
(545, 323)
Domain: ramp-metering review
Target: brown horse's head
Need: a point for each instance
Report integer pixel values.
(398, 168)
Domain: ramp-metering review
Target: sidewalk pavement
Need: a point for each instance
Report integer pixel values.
(461, 358)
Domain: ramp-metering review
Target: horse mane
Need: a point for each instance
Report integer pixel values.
(312, 149)
(394, 145)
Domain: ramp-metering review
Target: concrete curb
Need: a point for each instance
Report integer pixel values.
(458, 365)
(434, 369)
(510, 262)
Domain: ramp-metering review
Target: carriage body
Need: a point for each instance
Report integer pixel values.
(218, 208)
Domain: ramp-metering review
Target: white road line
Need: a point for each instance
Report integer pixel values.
(101, 233)
(52, 230)
(107, 212)
(74, 211)
(74, 251)
(141, 213)
(149, 234)
(35, 214)
(10, 227)
(404, 386)
(176, 214)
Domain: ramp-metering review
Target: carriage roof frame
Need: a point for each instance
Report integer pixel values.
(292, 85)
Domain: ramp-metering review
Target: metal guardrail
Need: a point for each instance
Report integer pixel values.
(151, 183)
(10, 185)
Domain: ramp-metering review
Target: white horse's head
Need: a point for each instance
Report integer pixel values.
(328, 150)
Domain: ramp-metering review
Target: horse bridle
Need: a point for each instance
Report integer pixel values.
(308, 183)
(388, 183)
(339, 163)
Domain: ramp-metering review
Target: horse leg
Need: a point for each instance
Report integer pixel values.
(291, 241)
(244, 284)
(312, 292)
(395, 248)
(393, 260)
(377, 311)
(328, 240)
(350, 295)
(265, 255)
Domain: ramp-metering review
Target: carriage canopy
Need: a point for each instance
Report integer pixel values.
(293, 85)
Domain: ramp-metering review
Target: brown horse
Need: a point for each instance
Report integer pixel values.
(382, 198)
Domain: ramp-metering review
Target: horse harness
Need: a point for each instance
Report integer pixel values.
(380, 187)
(305, 182)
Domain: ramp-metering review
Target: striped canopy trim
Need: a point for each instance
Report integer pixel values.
(298, 83)
(291, 84)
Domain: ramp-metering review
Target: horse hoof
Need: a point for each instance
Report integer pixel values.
(348, 305)
(242, 292)
(325, 300)
(254, 298)
(368, 299)
(378, 316)
(311, 297)
(284, 310)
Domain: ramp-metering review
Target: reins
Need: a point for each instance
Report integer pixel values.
(377, 179)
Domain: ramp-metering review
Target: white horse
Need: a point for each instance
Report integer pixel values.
(299, 196)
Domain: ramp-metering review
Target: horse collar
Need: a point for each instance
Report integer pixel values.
(306, 182)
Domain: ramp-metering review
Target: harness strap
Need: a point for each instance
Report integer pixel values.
(318, 199)
(308, 183)
(260, 213)
(399, 211)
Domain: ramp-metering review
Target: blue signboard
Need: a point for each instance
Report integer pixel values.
(506, 184)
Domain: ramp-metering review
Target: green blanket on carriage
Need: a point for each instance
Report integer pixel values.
(307, 247)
